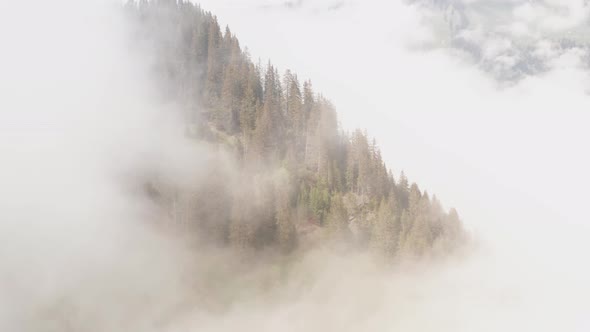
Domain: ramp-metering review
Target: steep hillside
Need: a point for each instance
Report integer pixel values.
(300, 179)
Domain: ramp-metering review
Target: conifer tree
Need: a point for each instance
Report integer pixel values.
(337, 221)
(385, 231)
(286, 232)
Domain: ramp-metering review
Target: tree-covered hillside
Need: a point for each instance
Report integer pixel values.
(301, 179)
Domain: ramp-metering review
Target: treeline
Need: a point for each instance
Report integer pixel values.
(300, 176)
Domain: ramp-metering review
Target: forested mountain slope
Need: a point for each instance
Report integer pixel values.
(300, 179)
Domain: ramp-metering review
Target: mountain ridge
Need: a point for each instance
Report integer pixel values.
(297, 172)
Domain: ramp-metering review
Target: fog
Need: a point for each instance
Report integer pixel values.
(82, 122)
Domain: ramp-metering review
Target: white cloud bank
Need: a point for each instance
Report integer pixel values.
(77, 113)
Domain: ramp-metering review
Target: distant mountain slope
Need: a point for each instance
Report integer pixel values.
(300, 179)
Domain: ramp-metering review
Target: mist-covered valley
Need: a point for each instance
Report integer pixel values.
(157, 176)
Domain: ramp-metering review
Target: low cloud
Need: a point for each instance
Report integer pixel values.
(510, 39)
(75, 250)
(312, 6)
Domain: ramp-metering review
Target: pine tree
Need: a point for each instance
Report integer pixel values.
(213, 62)
(319, 200)
(242, 229)
(286, 232)
(337, 221)
(403, 190)
(385, 231)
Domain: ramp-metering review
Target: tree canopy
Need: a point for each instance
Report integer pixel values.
(329, 182)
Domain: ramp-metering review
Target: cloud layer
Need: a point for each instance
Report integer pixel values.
(511, 39)
(82, 116)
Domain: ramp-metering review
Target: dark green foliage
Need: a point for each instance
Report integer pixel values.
(319, 201)
(330, 179)
(386, 231)
(337, 220)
